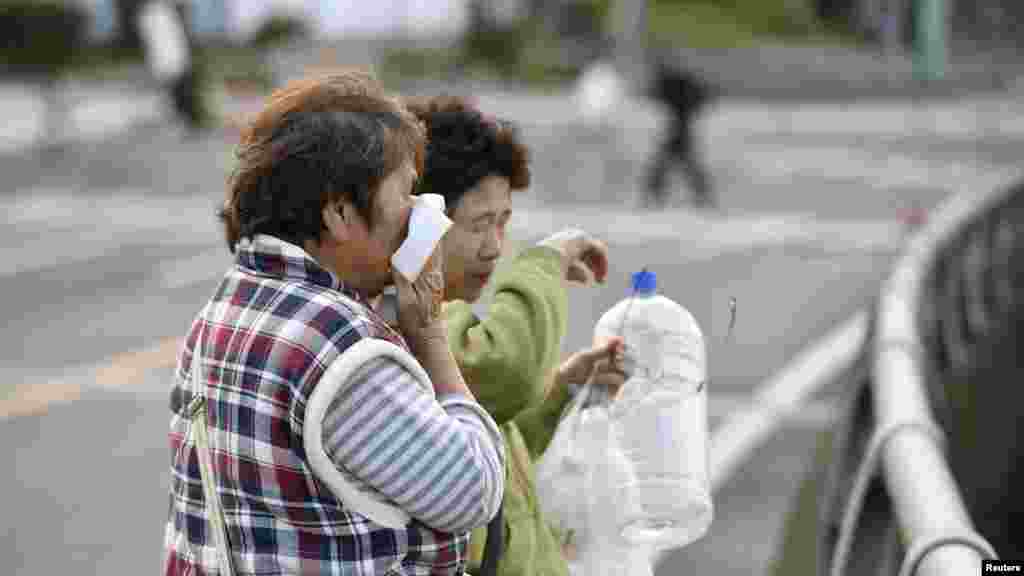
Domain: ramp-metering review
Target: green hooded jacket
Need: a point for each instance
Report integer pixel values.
(508, 359)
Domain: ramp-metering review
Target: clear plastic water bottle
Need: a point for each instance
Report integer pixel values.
(660, 418)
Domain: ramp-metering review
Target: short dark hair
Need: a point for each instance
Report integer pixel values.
(463, 147)
(317, 140)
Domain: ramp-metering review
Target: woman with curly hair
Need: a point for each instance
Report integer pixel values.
(509, 357)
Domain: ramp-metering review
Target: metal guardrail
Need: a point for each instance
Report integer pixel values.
(907, 442)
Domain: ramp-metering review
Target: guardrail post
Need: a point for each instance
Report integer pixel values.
(932, 50)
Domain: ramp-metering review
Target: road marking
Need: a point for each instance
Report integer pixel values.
(126, 371)
(706, 235)
(880, 171)
(100, 115)
(97, 118)
(64, 231)
(130, 371)
(136, 215)
(54, 248)
(92, 118)
(742, 432)
(962, 120)
(121, 210)
(732, 118)
(701, 237)
(36, 399)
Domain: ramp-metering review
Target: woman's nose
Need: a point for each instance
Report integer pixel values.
(491, 248)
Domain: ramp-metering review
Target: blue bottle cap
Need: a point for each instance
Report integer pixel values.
(645, 282)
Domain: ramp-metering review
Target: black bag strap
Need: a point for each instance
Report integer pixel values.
(494, 546)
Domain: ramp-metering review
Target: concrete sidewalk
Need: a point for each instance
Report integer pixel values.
(94, 112)
(84, 113)
(847, 76)
(843, 73)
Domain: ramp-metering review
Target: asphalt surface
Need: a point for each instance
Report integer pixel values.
(108, 252)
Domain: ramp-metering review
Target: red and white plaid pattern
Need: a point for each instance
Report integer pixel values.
(275, 323)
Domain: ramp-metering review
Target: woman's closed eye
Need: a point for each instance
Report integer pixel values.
(482, 224)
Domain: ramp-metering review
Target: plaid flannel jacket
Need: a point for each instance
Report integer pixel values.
(275, 323)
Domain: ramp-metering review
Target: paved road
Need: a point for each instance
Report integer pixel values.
(105, 259)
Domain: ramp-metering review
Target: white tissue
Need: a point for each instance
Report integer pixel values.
(427, 225)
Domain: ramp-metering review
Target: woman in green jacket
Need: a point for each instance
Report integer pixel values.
(510, 356)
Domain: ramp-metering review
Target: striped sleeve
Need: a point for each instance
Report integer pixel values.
(442, 461)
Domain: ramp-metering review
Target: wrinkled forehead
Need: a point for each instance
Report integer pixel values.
(492, 194)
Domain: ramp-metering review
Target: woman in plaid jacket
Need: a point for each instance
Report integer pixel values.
(319, 202)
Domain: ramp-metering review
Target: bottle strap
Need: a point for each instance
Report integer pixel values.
(494, 545)
(198, 431)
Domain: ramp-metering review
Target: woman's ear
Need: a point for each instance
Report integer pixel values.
(337, 218)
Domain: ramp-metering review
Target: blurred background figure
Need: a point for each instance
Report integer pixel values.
(164, 31)
(38, 39)
(684, 95)
(599, 94)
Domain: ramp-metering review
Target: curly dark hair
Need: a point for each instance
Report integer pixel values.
(318, 140)
(464, 146)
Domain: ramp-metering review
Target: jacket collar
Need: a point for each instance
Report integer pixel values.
(272, 257)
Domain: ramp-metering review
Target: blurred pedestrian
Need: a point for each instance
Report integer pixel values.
(684, 96)
(600, 95)
(171, 57)
(318, 204)
(510, 356)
